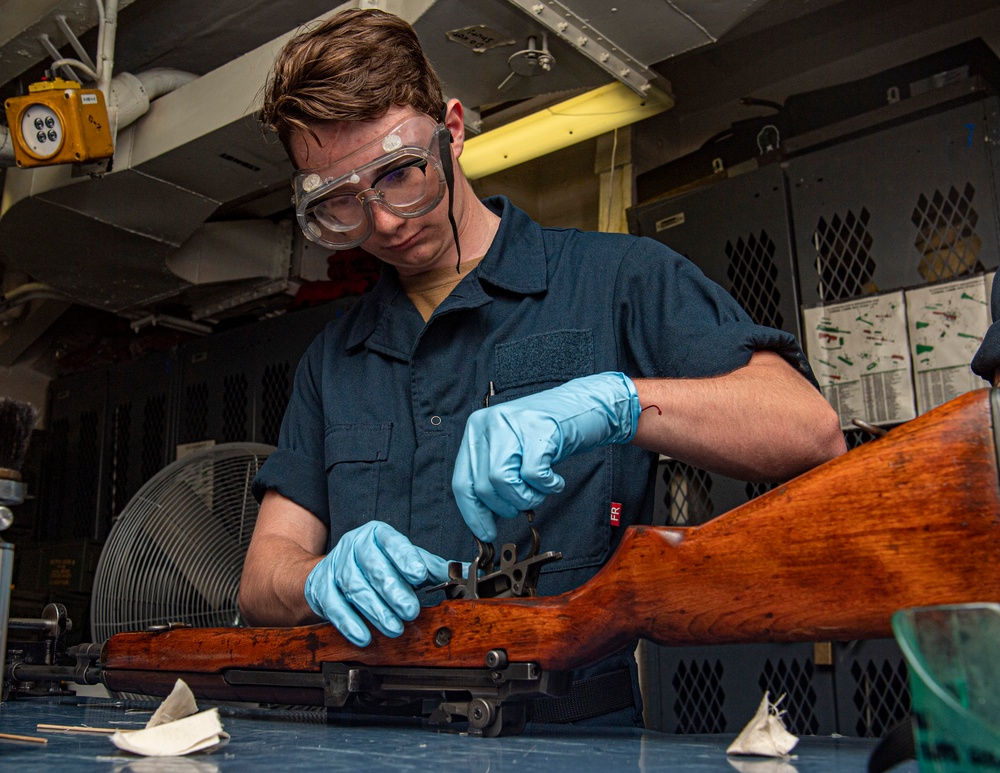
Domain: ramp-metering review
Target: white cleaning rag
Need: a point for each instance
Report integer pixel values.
(175, 729)
(765, 735)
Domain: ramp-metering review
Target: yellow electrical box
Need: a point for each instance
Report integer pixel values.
(57, 122)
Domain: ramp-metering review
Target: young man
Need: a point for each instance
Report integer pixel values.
(385, 465)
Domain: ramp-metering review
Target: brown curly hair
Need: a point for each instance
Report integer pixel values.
(352, 67)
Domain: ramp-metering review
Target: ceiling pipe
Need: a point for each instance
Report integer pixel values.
(130, 99)
(26, 293)
(63, 24)
(198, 153)
(108, 28)
(131, 94)
(127, 95)
(6, 147)
(169, 321)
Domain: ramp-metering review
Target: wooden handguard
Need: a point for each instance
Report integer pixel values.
(909, 519)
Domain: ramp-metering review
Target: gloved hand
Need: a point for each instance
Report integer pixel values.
(504, 464)
(372, 570)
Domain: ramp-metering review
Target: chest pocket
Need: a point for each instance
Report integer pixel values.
(574, 522)
(355, 457)
(541, 359)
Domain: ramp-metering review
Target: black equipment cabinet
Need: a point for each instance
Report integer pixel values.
(278, 346)
(854, 688)
(738, 232)
(717, 689)
(234, 386)
(113, 428)
(902, 204)
(139, 439)
(73, 478)
(910, 205)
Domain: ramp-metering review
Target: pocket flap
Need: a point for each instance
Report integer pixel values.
(357, 443)
(555, 356)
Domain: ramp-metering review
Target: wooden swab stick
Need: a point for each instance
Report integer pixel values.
(42, 728)
(26, 738)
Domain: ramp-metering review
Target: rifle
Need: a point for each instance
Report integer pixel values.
(908, 519)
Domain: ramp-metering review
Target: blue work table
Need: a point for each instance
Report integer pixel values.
(283, 740)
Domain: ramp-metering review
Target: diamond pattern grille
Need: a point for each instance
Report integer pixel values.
(843, 257)
(856, 437)
(793, 680)
(195, 413)
(687, 494)
(754, 490)
(276, 389)
(700, 697)
(946, 239)
(881, 696)
(234, 409)
(753, 277)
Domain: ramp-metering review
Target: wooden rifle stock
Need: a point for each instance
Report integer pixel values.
(909, 519)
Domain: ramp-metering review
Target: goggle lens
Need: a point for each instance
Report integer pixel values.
(408, 182)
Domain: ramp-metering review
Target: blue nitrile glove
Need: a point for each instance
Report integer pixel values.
(504, 464)
(372, 570)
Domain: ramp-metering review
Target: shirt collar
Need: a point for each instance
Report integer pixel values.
(516, 259)
(515, 262)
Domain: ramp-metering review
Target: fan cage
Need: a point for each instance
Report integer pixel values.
(176, 552)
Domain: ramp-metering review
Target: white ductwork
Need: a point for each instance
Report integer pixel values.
(125, 242)
(130, 98)
(106, 241)
(26, 22)
(234, 250)
(128, 95)
(131, 94)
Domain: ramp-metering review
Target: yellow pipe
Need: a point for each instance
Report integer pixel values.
(575, 120)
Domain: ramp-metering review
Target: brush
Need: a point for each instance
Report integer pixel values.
(17, 420)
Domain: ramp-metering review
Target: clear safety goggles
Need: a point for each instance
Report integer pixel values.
(402, 171)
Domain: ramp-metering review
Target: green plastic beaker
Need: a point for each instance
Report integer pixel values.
(953, 656)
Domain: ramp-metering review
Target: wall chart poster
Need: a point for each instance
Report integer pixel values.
(947, 323)
(861, 357)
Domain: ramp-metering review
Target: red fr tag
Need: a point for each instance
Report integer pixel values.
(616, 513)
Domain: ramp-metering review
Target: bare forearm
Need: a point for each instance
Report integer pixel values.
(284, 549)
(762, 422)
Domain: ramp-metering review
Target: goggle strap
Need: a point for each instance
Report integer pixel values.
(449, 178)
